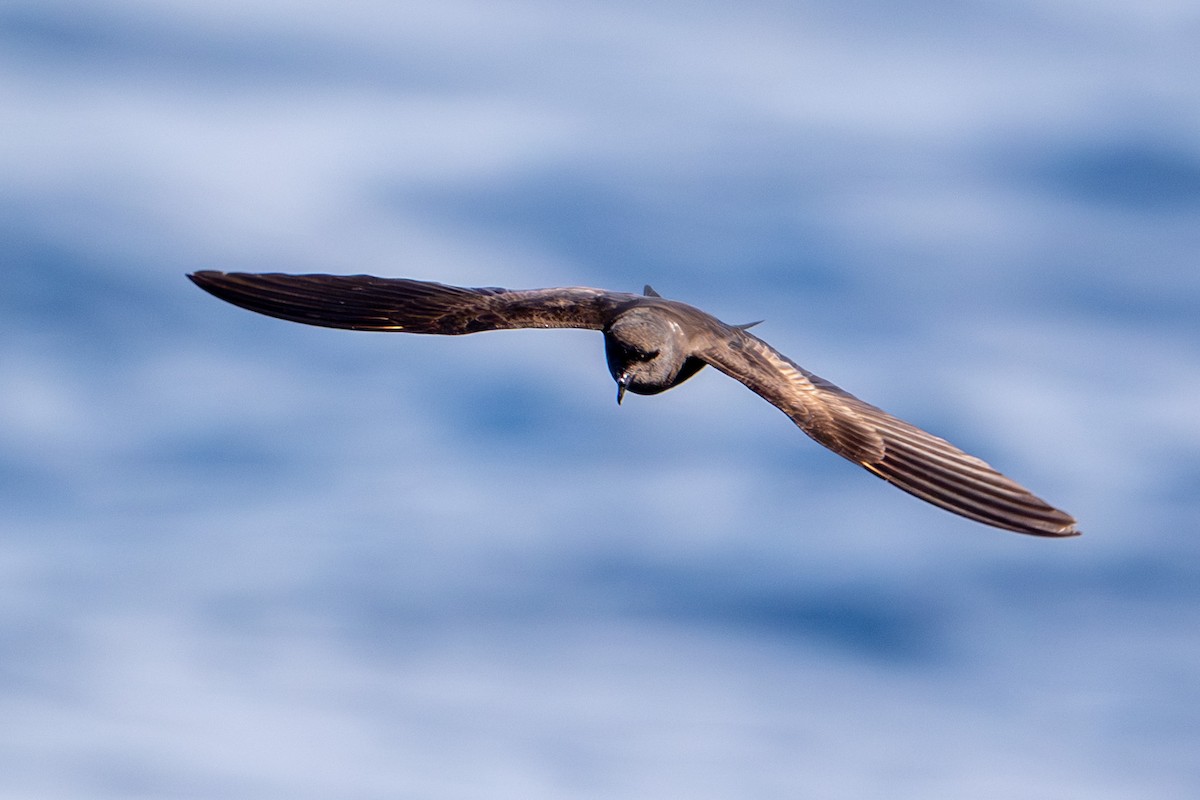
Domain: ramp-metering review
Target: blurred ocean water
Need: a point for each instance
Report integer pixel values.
(242, 558)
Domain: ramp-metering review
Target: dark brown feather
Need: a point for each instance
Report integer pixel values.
(367, 303)
(918, 462)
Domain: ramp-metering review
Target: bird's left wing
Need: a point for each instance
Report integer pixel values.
(918, 462)
(367, 303)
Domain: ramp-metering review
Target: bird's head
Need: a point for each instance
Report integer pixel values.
(646, 350)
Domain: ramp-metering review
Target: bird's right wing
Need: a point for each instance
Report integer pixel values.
(363, 302)
(918, 462)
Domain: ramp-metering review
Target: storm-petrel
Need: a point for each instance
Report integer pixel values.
(653, 344)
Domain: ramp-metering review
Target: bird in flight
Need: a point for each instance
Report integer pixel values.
(653, 344)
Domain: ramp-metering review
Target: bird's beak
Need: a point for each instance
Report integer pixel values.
(622, 382)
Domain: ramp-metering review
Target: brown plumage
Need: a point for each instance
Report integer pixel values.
(653, 344)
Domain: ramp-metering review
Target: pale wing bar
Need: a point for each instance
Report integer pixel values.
(364, 302)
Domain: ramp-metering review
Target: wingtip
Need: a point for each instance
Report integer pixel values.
(203, 277)
(1067, 530)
